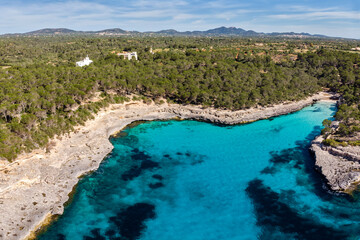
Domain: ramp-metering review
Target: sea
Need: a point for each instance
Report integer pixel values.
(191, 180)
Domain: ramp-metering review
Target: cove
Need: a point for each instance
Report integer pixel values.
(192, 180)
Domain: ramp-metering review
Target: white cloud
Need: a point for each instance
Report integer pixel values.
(223, 4)
(185, 16)
(158, 4)
(301, 8)
(351, 15)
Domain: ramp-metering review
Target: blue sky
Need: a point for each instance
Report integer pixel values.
(329, 17)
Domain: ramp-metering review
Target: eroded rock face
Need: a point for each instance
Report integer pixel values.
(340, 166)
(37, 185)
(241, 116)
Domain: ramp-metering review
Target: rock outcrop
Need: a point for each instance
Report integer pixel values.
(241, 116)
(340, 166)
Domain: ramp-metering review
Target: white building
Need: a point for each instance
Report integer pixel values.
(128, 55)
(84, 62)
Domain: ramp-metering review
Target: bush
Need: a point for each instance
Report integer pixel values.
(354, 143)
(333, 143)
(325, 130)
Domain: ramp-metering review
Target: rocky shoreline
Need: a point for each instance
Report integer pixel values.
(339, 165)
(35, 186)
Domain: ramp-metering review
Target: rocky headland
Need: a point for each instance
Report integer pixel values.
(339, 165)
(35, 186)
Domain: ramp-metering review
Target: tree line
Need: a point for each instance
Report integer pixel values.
(43, 94)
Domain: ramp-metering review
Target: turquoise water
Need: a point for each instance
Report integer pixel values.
(189, 180)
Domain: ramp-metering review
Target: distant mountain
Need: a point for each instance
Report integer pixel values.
(293, 34)
(113, 31)
(168, 31)
(221, 31)
(232, 31)
(65, 31)
(51, 31)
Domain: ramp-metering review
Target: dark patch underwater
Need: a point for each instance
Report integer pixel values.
(273, 214)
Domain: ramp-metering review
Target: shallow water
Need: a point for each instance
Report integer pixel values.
(192, 180)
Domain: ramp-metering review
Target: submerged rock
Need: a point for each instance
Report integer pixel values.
(130, 221)
(272, 213)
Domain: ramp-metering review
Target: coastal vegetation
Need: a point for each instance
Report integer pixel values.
(43, 94)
